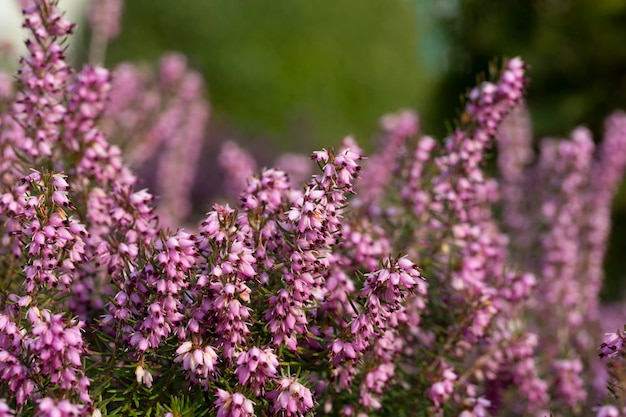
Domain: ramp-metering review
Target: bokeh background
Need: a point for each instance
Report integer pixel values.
(297, 75)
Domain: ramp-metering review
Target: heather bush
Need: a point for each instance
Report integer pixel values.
(406, 283)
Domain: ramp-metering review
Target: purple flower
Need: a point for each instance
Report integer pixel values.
(233, 405)
(48, 407)
(256, 367)
(200, 362)
(5, 410)
(612, 344)
(291, 398)
(608, 411)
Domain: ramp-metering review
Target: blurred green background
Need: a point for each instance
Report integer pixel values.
(295, 75)
(303, 73)
(292, 73)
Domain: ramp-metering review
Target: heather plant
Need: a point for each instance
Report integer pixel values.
(385, 286)
(216, 317)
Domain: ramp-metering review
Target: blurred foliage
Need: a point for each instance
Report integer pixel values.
(301, 74)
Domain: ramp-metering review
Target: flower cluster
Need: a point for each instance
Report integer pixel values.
(560, 235)
(392, 289)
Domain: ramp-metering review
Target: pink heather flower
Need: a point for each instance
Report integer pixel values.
(479, 407)
(392, 284)
(267, 193)
(285, 319)
(39, 107)
(18, 377)
(339, 286)
(55, 244)
(291, 398)
(89, 93)
(612, 344)
(5, 410)
(200, 362)
(13, 373)
(221, 296)
(608, 411)
(376, 381)
(172, 68)
(59, 346)
(365, 244)
(489, 102)
(342, 352)
(316, 213)
(531, 386)
(518, 286)
(442, 389)
(143, 376)
(569, 382)
(235, 258)
(461, 192)
(519, 360)
(48, 407)
(461, 182)
(255, 367)
(231, 315)
(314, 220)
(161, 282)
(233, 405)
